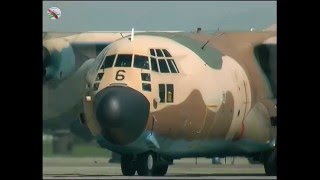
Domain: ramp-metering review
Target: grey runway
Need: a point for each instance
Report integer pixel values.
(166, 177)
(191, 168)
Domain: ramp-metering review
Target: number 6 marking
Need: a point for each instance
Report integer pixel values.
(120, 77)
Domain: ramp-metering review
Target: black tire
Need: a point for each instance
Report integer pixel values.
(146, 164)
(161, 170)
(128, 167)
(270, 165)
(253, 161)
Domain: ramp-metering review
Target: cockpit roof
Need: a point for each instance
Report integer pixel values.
(211, 56)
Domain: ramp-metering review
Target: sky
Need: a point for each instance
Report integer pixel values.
(82, 16)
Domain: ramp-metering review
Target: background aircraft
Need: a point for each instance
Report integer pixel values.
(66, 59)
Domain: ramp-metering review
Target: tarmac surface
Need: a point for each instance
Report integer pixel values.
(189, 168)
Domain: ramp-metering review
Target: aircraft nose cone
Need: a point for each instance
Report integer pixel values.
(122, 114)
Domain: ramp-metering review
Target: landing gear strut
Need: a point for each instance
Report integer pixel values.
(115, 158)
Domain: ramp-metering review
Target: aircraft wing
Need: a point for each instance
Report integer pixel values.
(64, 53)
(273, 27)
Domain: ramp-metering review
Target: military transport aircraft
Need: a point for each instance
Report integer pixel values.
(154, 97)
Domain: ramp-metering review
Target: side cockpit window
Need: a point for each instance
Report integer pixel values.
(159, 53)
(166, 93)
(165, 61)
(166, 53)
(162, 93)
(152, 52)
(154, 65)
(99, 58)
(170, 93)
(141, 62)
(123, 60)
(163, 66)
(108, 62)
(172, 66)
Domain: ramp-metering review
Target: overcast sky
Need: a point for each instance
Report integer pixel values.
(80, 16)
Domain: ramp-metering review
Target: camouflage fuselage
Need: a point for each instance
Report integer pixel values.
(222, 99)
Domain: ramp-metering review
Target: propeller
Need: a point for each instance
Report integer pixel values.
(45, 59)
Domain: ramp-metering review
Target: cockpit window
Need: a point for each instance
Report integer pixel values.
(99, 76)
(166, 53)
(172, 68)
(165, 60)
(152, 52)
(162, 92)
(174, 63)
(154, 65)
(99, 64)
(100, 58)
(124, 60)
(141, 62)
(163, 66)
(108, 62)
(159, 53)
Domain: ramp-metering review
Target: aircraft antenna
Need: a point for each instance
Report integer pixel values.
(205, 44)
(212, 38)
(132, 34)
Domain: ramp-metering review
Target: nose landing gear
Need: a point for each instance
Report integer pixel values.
(146, 164)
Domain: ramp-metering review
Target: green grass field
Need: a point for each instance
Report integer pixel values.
(79, 150)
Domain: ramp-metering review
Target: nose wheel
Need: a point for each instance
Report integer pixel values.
(128, 166)
(146, 164)
(161, 170)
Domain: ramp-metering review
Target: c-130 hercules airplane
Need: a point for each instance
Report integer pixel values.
(156, 97)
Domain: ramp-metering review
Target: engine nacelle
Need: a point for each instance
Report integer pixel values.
(266, 55)
(58, 59)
